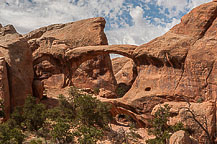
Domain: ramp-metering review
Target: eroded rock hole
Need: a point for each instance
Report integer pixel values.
(148, 89)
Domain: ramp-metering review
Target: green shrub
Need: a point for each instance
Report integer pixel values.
(78, 115)
(30, 117)
(34, 114)
(90, 111)
(60, 132)
(160, 129)
(38, 141)
(84, 115)
(200, 100)
(65, 110)
(96, 91)
(10, 135)
(88, 134)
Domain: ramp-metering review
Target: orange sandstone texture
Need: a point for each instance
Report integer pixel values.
(50, 45)
(18, 57)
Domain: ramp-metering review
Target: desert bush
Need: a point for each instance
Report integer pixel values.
(38, 141)
(160, 129)
(88, 134)
(61, 133)
(200, 100)
(34, 114)
(65, 110)
(79, 115)
(90, 111)
(31, 116)
(10, 135)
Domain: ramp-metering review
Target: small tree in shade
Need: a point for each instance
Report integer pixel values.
(34, 114)
(30, 117)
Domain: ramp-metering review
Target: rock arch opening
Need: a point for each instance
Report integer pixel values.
(93, 61)
(125, 73)
(80, 55)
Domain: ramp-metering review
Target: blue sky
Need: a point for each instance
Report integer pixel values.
(128, 21)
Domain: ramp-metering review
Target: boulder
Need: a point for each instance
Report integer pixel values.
(50, 45)
(181, 137)
(106, 93)
(18, 56)
(205, 113)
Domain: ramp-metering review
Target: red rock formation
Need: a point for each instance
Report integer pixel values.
(14, 48)
(4, 92)
(38, 89)
(118, 63)
(178, 65)
(50, 44)
(181, 63)
(182, 137)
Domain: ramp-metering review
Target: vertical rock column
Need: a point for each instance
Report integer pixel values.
(4, 88)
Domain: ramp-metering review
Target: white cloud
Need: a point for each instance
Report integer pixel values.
(141, 32)
(195, 3)
(176, 6)
(137, 15)
(26, 16)
(137, 34)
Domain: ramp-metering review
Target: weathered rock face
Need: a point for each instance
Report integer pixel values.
(181, 63)
(181, 137)
(106, 93)
(4, 92)
(200, 65)
(14, 48)
(204, 112)
(118, 63)
(124, 70)
(38, 89)
(50, 44)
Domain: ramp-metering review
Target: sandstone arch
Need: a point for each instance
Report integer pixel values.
(69, 59)
(81, 54)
